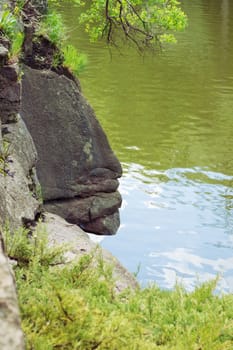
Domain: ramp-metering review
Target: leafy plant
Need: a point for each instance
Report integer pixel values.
(142, 23)
(8, 23)
(10, 27)
(16, 45)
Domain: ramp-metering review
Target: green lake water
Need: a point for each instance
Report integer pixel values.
(169, 119)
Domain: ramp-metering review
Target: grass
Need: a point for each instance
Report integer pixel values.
(9, 26)
(52, 27)
(74, 61)
(8, 23)
(75, 306)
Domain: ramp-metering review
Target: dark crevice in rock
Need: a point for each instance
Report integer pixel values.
(30, 224)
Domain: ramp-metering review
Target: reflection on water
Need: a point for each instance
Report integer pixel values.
(169, 118)
(177, 224)
(181, 265)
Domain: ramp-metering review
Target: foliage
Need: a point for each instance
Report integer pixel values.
(76, 62)
(10, 27)
(16, 44)
(8, 23)
(144, 23)
(51, 27)
(76, 307)
(31, 249)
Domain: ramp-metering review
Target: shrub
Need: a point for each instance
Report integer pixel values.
(76, 307)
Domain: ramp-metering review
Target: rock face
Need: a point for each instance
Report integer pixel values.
(77, 169)
(19, 186)
(18, 182)
(18, 203)
(9, 91)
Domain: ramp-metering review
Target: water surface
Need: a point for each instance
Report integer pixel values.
(169, 118)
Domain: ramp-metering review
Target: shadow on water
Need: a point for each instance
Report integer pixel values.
(169, 118)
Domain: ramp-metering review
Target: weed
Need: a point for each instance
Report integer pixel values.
(52, 28)
(16, 45)
(10, 27)
(73, 60)
(8, 23)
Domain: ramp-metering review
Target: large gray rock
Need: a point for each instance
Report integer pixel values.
(19, 186)
(11, 335)
(79, 243)
(75, 159)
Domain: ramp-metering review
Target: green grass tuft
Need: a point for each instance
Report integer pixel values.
(73, 60)
(52, 28)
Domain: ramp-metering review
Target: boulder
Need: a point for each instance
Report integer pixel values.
(62, 233)
(76, 166)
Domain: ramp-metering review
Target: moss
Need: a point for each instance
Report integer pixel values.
(75, 306)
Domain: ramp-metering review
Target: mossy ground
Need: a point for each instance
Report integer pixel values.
(75, 306)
